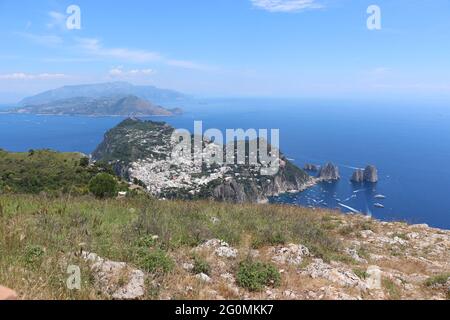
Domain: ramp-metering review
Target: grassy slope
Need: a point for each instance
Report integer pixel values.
(113, 229)
(40, 237)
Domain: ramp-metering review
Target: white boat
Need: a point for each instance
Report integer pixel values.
(349, 208)
(380, 196)
(378, 205)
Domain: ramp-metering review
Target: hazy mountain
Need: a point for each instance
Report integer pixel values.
(116, 105)
(149, 93)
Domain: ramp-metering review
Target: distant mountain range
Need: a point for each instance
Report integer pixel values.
(113, 98)
(105, 106)
(149, 93)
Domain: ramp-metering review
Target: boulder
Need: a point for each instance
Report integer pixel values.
(221, 248)
(337, 275)
(116, 279)
(292, 254)
(203, 277)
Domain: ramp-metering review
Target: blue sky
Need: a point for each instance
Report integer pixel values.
(276, 48)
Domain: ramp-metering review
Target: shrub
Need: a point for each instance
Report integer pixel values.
(255, 275)
(103, 185)
(84, 162)
(146, 241)
(440, 279)
(201, 266)
(156, 261)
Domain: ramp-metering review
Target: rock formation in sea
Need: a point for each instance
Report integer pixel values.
(371, 174)
(358, 176)
(311, 167)
(329, 172)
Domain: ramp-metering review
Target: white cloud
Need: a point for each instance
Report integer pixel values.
(57, 19)
(29, 76)
(286, 5)
(93, 46)
(120, 72)
(46, 40)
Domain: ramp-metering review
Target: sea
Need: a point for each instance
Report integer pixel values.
(409, 143)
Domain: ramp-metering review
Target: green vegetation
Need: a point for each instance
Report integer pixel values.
(40, 236)
(103, 185)
(201, 266)
(255, 275)
(392, 289)
(155, 261)
(33, 255)
(46, 171)
(362, 274)
(439, 279)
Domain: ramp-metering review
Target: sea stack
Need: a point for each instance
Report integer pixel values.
(358, 176)
(371, 174)
(329, 172)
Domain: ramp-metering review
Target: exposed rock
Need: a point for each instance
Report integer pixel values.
(222, 249)
(289, 294)
(329, 172)
(330, 293)
(358, 176)
(292, 254)
(338, 275)
(355, 256)
(366, 233)
(371, 174)
(188, 266)
(116, 279)
(226, 252)
(254, 253)
(203, 277)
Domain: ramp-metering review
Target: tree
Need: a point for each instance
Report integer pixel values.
(84, 162)
(103, 185)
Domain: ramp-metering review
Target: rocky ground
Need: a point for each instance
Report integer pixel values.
(385, 261)
(143, 248)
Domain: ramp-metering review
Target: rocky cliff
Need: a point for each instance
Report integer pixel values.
(329, 172)
(141, 152)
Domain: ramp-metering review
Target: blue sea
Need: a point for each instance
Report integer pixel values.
(409, 144)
